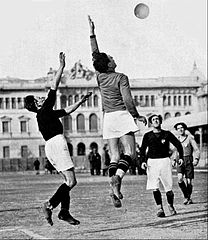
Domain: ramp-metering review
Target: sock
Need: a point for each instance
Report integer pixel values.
(65, 201)
(157, 197)
(124, 163)
(184, 189)
(112, 169)
(170, 197)
(189, 188)
(58, 196)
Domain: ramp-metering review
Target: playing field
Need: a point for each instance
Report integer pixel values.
(22, 195)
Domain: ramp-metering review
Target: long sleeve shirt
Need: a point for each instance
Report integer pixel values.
(114, 88)
(157, 145)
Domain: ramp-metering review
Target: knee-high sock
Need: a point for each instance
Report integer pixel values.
(157, 197)
(59, 195)
(112, 169)
(189, 188)
(170, 197)
(124, 163)
(65, 201)
(184, 189)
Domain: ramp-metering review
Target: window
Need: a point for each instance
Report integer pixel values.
(24, 151)
(67, 123)
(19, 102)
(189, 101)
(185, 100)
(84, 103)
(93, 123)
(70, 100)
(174, 100)
(147, 101)
(164, 100)
(63, 101)
(95, 101)
(1, 103)
(136, 102)
(42, 151)
(169, 100)
(5, 127)
(178, 114)
(23, 126)
(80, 123)
(80, 149)
(13, 103)
(167, 115)
(89, 101)
(152, 100)
(179, 100)
(76, 98)
(6, 152)
(7, 103)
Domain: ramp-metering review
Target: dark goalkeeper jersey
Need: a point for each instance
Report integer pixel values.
(48, 119)
(157, 145)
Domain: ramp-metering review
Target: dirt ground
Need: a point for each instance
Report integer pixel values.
(22, 195)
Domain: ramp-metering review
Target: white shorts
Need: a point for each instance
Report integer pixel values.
(159, 169)
(117, 124)
(57, 152)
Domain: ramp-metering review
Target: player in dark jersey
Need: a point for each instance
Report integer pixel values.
(158, 162)
(56, 146)
(120, 116)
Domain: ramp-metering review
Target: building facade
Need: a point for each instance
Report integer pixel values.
(19, 135)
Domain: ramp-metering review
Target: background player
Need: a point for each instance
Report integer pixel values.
(120, 115)
(56, 146)
(158, 164)
(190, 150)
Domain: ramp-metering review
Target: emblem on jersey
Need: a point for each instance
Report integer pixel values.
(162, 141)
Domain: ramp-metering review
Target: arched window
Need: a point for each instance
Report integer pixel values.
(178, 114)
(93, 122)
(93, 145)
(152, 100)
(95, 101)
(63, 101)
(70, 100)
(187, 113)
(80, 123)
(89, 101)
(167, 115)
(169, 100)
(174, 100)
(70, 147)
(80, 149)
(67, 123)
(179, 100)
(185, 100)
(76, 98)
(189, 101)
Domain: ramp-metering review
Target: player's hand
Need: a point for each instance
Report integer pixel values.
(144, 166)
(180, 162)
(62, 59)
(195, 162)
(92, 26)
(85, 97)
(142, 119)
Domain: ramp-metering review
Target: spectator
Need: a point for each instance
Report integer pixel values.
(37, 166)
(105, 159)
(95, 162)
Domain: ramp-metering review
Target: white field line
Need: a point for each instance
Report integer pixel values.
(26, 231)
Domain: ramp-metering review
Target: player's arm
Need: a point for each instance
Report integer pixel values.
(178, 146)
(73, 107)
(196, 151)
(128, 100)
(143, 149)
(93, 40)
(55, 82)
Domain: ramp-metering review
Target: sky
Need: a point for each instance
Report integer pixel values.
(166, 43)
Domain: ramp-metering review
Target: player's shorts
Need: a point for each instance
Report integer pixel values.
(57, 152)
(117, 124)
(187, 168)
(159, 169)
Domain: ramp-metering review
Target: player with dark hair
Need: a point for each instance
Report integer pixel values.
(158, 162)
(120, 115)
(191, 155)
(56, 146)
